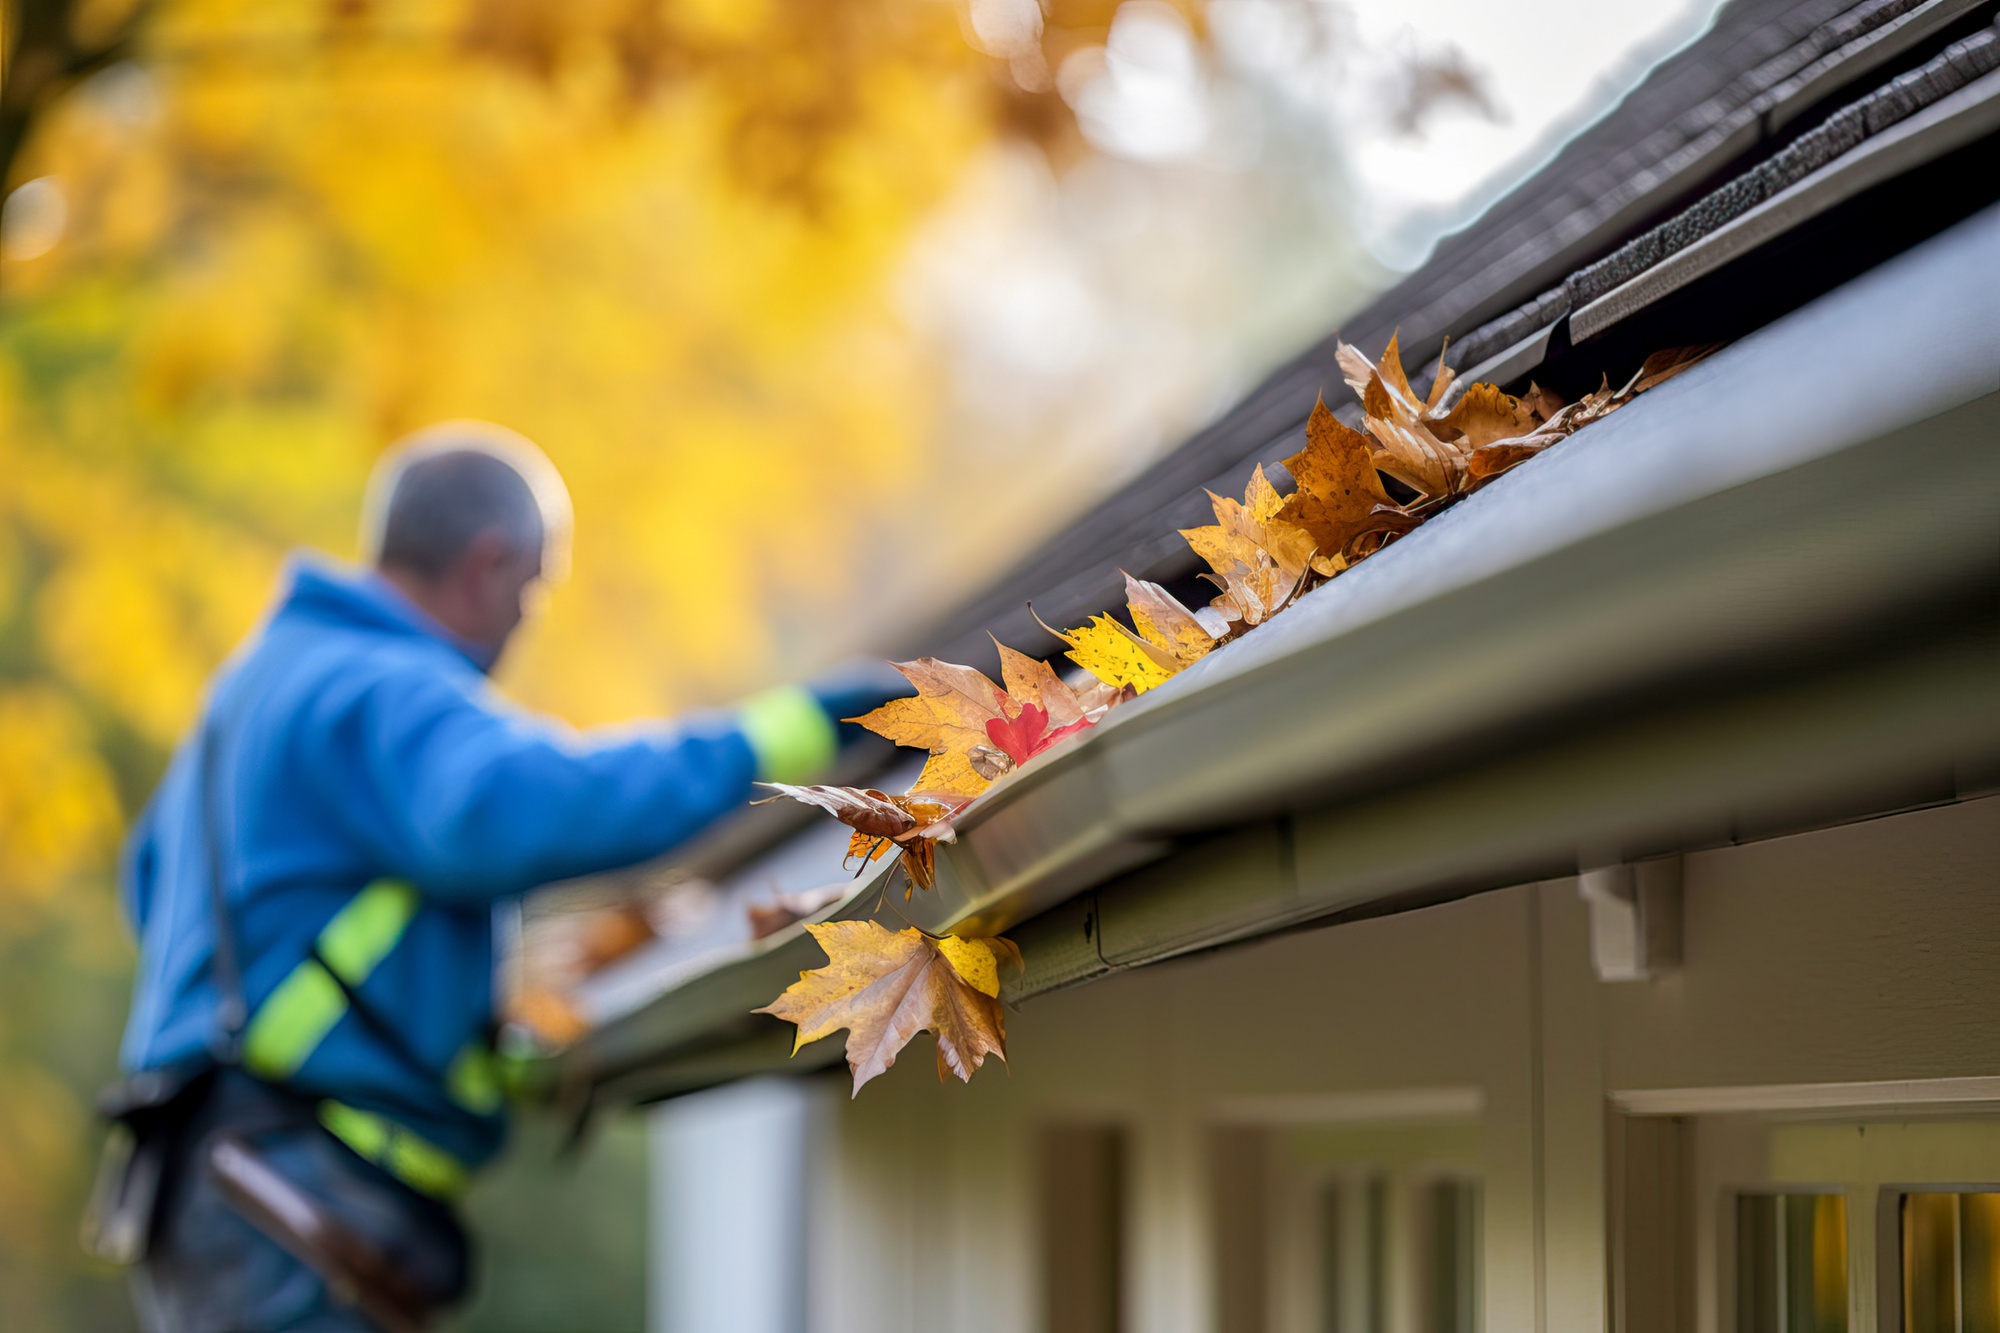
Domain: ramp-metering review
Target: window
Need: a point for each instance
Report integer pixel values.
(1791, 1263)
(1083, 1226)
(1346, 1228)
(1359, 1256)
(1802, 1221)
(1950, 1260)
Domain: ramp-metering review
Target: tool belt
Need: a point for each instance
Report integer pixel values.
(248, 1143)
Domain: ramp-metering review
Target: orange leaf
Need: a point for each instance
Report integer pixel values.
(1032, 681)
(1488, 463)
(1340, 495)
(885, 987)
(1484, 415)
(1259, 560)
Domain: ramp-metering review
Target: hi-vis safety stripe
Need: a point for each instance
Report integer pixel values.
(421, 1165)
(474, 1080)
(294, 1020)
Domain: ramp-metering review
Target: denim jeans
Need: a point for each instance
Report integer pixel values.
(209, 1270)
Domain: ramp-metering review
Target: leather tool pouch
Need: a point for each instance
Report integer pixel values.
(355, 1271)
(146, 1112)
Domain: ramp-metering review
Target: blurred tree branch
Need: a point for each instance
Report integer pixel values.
(47, 47)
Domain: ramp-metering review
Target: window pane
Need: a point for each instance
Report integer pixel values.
(1757, 1263)
(1816, 1263)
(1979, 1249)
(1930, 1262)
(1240, 1167)
(1791, 1263)
(1951, 1262)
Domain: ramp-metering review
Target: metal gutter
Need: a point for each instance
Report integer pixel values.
(1761, 597)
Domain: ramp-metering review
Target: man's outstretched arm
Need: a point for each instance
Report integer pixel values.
(470, 802)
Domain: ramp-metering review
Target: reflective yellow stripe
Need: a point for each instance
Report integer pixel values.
(363, 1131)
(473, 1080)
(294, 1020)
(290, 1025)
(422, 1166)
(791, 735)
(362, 933)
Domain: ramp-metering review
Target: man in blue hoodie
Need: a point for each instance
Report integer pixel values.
(313, 883)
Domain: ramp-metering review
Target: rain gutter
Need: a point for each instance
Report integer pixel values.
(1763, 597)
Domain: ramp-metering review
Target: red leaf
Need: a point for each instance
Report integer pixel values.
(1081, 724)
(1016, 737)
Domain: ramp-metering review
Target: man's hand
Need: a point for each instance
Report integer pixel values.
(797, 730)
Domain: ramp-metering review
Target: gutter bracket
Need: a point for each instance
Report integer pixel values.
(1635, 918)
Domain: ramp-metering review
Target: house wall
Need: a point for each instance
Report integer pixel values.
(1475, 1035)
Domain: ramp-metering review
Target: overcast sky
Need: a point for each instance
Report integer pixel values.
(1547, 64)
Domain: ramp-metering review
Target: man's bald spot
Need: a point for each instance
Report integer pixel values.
(440, 499)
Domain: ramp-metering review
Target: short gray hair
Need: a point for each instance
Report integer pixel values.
(434, 492)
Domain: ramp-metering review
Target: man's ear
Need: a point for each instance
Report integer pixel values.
(484, 554)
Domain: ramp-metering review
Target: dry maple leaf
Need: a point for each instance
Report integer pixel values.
(1484, 414)
(1259, 560)
(1169, 638)
(1115, 655)
(1340, 499)
(878, 819)
(1186, 636)
(1448, 452)
(948, 718)
(1663, 365)
(886, 986)
(974, 730)
(1498, 456)
(1032, 682)
(1406, 448)
(547, 1014)
(611, 934)
(1544, 403)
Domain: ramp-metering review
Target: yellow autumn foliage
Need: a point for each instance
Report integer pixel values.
(657, 236)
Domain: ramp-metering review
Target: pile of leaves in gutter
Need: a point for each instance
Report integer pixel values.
(1264, 552)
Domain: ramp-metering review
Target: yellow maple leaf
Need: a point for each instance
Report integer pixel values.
(1031, 680)
(1258, 559)
(1115, 655)
(886, 986)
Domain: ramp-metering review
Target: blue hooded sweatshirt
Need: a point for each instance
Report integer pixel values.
(355, 741)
